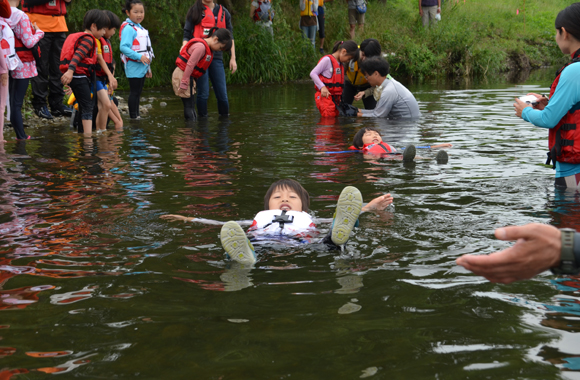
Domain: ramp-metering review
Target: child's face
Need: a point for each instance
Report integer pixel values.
(371, 137)
(344, 57)
(97, 33)
(110, 32)
(137, 13)
(215, 45)
(285, 199)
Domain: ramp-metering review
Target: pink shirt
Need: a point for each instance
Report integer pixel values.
(196, 53)
(323, 68)
(24, 32)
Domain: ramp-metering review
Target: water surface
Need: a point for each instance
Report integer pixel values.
(95, 285)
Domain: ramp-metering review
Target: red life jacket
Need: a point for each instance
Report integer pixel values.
(256, 13)
(564, 138)
(51, 8)
(84, 67)
(379, 149)
(24, 53)
(336, 82)
(209, 21)
(107, 51)
(202, 65)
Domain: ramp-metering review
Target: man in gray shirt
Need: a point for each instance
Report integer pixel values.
(394, 100)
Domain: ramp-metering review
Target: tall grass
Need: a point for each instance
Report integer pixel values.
(475, 38)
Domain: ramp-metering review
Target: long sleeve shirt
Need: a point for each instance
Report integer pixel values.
(132, 69)
(85, 44)
(323, 68)
(396, 102)
(197, 52)
(566, 96)
(25, 33)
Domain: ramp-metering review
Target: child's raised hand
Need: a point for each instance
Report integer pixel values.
(379, 203)
(324, 92)
(4, 79)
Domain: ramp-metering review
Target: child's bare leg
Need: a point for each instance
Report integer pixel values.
(104, 104)
(115, 116)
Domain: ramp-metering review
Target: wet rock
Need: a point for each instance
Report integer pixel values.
(163, 104)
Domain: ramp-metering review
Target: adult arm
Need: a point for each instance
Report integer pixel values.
(438, 6)
(230, 27)
(323, 68)
(420, 8)
(187, 32)
(567, 95)
(388, 98)
(302, 5)
(537, 249)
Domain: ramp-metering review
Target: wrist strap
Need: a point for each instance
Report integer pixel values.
(568, 262)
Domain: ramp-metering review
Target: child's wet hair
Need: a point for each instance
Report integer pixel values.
(97, 17)
(569, 19)
(114, 22)
(290, 184)
(371, 65)
(350, 46)
(371, 47)
(129, 5)
(223, 35)
(357, 140)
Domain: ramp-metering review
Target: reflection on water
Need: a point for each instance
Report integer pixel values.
(94, 284)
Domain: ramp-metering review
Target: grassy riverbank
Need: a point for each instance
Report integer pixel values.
(476, 38)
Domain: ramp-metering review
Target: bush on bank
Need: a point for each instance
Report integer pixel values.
(476, 38)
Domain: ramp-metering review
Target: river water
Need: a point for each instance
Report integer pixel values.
(96, 285)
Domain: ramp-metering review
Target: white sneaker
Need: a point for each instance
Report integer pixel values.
(236, 243)
(347, 211)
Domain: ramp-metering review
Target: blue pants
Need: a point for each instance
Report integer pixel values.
(216, 73)
(310, 33)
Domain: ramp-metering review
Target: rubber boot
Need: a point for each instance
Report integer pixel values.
(223, 108)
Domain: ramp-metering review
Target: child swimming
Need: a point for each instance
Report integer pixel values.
(286, 206)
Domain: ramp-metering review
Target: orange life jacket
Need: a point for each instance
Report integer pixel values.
(51, 8)
(84, 67)
(336, 82)
(564, 138)
(107, 51)
(202, 65)
(209, 21)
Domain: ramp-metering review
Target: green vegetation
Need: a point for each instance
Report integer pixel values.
(475, 38)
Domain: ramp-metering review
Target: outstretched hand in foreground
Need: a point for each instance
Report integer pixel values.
(537, 249)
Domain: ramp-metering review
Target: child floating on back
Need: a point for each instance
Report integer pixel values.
(369, 141)
(285, 214)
